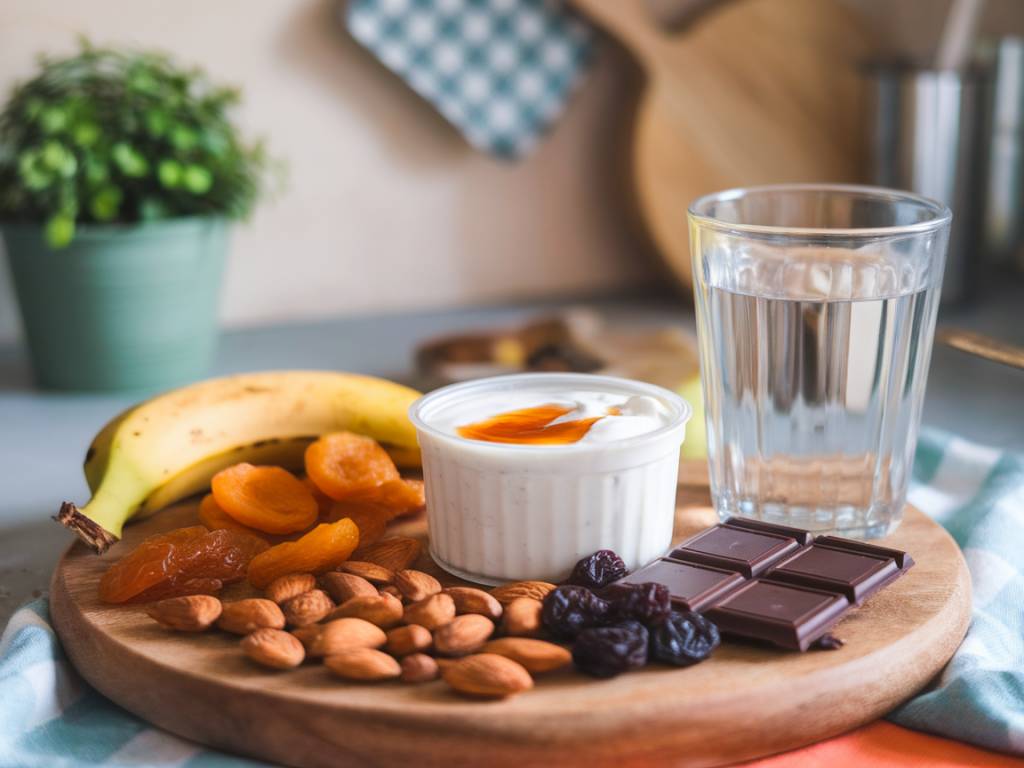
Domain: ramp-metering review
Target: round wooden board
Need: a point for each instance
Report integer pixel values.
(744, 702)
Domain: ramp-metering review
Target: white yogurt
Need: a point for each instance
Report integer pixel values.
(500, 511)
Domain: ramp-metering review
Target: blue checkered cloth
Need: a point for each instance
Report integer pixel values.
(49, 718)
(500, 71)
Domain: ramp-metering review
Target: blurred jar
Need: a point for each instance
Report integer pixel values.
(923, 132)
(1002, 151)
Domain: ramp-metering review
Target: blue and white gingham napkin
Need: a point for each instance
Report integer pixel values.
(501, 71)
(977, 494)
(49, 718)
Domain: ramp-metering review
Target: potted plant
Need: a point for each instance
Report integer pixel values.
(119, 173)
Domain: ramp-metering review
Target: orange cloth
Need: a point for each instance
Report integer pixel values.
(881, 745)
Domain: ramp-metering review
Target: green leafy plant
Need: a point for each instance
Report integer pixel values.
(113, 136)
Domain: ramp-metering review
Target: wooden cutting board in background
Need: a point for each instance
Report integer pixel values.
(749, 92)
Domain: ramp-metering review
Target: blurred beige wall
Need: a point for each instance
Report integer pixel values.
(386, 208)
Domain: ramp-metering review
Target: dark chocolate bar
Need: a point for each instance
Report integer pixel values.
(772, 582)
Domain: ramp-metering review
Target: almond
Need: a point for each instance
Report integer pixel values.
(408, 639)
(286, 587)
(373, 573)
(244, 616)
(436, 611)
(391, 589)
(273, 648)
(443, 663)
(506, 593)
(339, 635)
(345, 586)
(192, 613)
(383, 610)
(419, 668)
(522, 617)
(307, 608)
(534, 655)
(463, 635)
(416, 585)
(487, 675)
(470, 600)
(363, 664)
(395, 554)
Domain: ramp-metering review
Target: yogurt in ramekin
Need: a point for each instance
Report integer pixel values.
(501, 511)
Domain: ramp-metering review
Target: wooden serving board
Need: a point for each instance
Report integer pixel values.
(749, 92)
(744, 702)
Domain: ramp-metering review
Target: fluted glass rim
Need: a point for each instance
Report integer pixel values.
(939, 214)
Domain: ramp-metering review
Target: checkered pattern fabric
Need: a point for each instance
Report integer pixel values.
(501, 71)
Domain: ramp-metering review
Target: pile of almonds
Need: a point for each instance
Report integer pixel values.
(376, 619)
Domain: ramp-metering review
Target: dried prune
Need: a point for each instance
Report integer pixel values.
(649, 603)
(597, 571)
(568, 610)
(684, 638)
(829, 642)
(607, 651)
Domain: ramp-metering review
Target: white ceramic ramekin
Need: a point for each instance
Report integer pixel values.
(499, 512)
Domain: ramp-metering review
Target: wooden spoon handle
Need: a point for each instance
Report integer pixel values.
(628, 21)
(982, 346)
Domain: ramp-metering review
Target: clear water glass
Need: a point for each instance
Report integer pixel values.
(815, 312)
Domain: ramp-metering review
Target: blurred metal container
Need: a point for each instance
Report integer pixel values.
(1002, 142)
(923, 130)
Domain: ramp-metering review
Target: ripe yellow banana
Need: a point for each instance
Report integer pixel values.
(169, 447)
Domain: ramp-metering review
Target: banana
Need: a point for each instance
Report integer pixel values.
(169, 447)
(287, 453)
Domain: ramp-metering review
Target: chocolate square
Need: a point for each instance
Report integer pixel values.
(735, 549)
(903, 560)
(693, 587)
(781, 614)
(802, 537)
(858, 571)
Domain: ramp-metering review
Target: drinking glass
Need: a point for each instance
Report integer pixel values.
(816, 309)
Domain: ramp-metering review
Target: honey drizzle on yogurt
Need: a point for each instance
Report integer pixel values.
(532, 426)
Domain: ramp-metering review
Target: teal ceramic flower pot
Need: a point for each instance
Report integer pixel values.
(122, 307)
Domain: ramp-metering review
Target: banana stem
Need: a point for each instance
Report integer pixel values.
(89, 531)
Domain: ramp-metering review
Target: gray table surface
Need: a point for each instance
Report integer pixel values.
(43, 436)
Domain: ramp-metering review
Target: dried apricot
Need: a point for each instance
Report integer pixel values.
(184, 561)
(167, 589)
(344, 463)
(323, 501)
(402, 497)
(215, 518)
(269, 499)
(371, 519)
(321, 550)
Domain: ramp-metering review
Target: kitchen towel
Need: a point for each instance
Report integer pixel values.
(977, 494)
(500, 71)
(50, 718)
